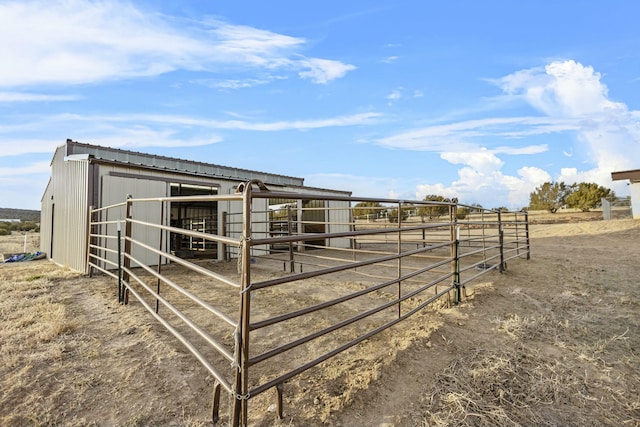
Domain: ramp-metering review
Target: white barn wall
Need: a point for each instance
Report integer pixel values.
(65, 212)
(634, 189)
(46, 225)
(115, 190)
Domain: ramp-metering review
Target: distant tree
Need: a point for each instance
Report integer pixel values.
(393, 213)
(475, 207)
(433, 211)
(587, 195)
(549, 196)
(462, 213)
(25, 226)
(367, 209)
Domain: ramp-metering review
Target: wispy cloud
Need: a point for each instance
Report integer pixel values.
(235, 84)
(464, 134)
(394, 96)
(34, 97)
(150, 130)
(337, 121)
(34, 168)
(81, 41)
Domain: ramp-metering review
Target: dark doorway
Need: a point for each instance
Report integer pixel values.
(197, 215)
(53, 206)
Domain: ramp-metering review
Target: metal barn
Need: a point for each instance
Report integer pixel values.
(634, 186)
(84, 176)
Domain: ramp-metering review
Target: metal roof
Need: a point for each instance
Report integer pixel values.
(133, 158)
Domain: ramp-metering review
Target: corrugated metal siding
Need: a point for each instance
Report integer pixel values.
(45, 220)
(115, 190)
(635, 199)
(64, 212)
(338, 221)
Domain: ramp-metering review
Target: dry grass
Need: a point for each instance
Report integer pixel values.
(569, 357)
(33, 331)
(15, 243)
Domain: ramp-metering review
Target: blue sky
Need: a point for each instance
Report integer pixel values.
(480, 100)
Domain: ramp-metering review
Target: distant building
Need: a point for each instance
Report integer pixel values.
(9, 220)
(634, 185)
(84, 175)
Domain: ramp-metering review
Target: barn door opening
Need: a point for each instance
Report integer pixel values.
(53, 206)
(199, 215)
(314, 221)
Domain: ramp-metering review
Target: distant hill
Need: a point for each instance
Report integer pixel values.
(21, 214)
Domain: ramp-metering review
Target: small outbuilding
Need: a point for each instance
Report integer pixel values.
(84, 176)
(634, 185)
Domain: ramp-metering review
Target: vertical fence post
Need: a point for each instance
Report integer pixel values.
(517, 233)
(526, 228)
(501, 240)
(455, 252)
(127, 250)
(89, 269)
(159, 268)
(223, 231)
(119, 237)
(240, 409)
(292, 264)
(399, 258)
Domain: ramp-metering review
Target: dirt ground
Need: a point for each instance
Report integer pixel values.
(552, 341)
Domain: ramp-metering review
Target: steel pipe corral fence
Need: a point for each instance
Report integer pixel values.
(349, 275)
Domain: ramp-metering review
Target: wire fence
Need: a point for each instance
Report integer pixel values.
(299, 278)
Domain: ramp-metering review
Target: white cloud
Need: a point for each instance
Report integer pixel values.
(571, 99)
(483, 161)
(231, 83)
(14, 146)
(489, 186)
(562, 88)
(34, 168)
(390, 59)
(147, 130)
(394, 96)
(461, 135)
(81, 41)
(141, 136)
(360, 186)
(323, 70)
(167, 120)
(34, 97)
(608, 134)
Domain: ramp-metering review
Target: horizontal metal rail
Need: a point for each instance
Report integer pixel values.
(219, 347)
(191, 266)
(282, 378)
(326, 239)
(346, 322)
(192, 349)
(327, 304)
(191, 233)
(221, 315)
